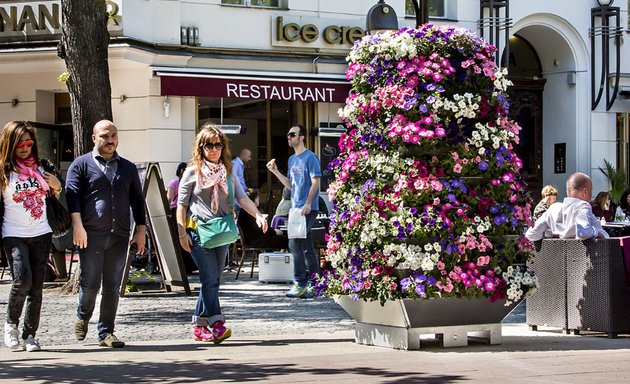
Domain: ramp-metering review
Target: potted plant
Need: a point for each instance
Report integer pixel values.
(617, 179)
(428, 198)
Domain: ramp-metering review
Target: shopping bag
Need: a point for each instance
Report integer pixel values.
(296, 226)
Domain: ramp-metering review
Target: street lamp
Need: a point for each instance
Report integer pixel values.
(494, 17)
(422, 11)
(382, 16)
(605, 11)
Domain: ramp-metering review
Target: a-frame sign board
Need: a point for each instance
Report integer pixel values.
(161, 228)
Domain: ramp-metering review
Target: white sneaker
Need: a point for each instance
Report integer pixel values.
(11, 339)
(31, 345)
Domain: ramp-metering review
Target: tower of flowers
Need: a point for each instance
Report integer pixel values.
(428, 199)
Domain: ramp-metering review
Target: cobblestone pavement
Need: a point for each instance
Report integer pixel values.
(251, 308)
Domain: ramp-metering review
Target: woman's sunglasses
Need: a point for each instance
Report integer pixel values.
(210, 146)
(28, 143)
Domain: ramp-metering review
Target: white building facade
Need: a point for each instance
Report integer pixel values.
(263, 65)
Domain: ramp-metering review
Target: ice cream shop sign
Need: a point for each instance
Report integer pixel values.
(314, 32)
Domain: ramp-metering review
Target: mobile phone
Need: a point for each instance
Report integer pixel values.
(48, 167)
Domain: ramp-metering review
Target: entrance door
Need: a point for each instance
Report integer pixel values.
(526, 109)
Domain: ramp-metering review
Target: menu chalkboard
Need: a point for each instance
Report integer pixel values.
(329, 150)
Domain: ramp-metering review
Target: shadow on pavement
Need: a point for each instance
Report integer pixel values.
(195, 371)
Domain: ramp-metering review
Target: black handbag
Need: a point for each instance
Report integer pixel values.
(57, 215)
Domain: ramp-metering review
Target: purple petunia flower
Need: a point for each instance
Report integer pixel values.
(483, 166)
(405, 283)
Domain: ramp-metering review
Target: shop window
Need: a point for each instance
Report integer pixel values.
(437, 9)
(253, 3)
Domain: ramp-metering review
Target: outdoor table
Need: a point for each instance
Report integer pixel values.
(617, 228)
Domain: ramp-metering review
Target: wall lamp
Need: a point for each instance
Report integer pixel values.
(605, 12)
(167, 107)
(494, 17)
(382, 16)
(189, 36)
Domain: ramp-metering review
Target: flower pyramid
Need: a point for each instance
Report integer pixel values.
(428, 199)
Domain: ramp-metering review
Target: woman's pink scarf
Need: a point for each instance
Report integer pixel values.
(213, 176)
(28, 168)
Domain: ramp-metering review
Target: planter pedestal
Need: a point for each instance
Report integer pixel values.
(399, 323)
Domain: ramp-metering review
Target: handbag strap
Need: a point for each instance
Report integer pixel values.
(230, 191)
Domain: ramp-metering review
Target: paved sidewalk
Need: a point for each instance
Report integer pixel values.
(278, 340)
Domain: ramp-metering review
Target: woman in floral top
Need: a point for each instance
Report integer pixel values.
(208, 190)
(26, 235)
(549, 196)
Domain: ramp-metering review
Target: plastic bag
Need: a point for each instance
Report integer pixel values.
(296, 226)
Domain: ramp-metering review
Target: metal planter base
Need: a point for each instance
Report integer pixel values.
(400, 323)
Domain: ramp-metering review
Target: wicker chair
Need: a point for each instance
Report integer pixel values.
(598, 298)
(582, 287)
(548, 305)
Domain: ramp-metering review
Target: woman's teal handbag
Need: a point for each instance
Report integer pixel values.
(219, 230)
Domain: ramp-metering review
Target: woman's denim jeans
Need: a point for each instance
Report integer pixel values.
(305, 260)
(210, 263)
(27, 260)
(103, 259)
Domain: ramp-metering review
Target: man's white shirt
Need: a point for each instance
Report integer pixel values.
(571, 219)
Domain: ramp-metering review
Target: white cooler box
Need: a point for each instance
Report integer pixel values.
(276, 267)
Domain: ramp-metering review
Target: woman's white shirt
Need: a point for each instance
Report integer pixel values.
(24, 208)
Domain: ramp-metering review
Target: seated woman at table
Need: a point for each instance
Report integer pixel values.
(273, 238)
(601, 206)
(624, 205)
(285, 204)
(549, 196)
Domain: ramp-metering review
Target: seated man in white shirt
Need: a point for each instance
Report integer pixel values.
(571, 219)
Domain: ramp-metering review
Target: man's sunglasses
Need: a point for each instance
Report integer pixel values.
(210, 146)
(292, 134)
(28, 143)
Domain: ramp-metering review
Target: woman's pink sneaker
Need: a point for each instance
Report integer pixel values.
(202, 334)
(220, 332)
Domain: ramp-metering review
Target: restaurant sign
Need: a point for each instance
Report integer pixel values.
(35, 20)
(246, 88)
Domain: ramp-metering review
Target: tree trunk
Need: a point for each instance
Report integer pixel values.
(83, 46)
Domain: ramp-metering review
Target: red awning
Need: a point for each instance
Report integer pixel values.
(253, 88)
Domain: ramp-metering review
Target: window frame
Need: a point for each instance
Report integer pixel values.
(413, 14)
(248, 4)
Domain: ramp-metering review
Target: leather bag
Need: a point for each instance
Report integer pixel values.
(57, 215)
